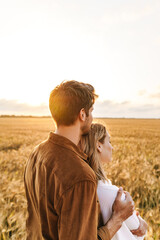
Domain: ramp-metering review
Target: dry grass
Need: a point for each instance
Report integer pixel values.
(135, 166)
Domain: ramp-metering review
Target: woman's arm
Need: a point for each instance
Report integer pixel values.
(132, 222)
(142, 228)
(107, 194)
(136, 224)
(121, 211)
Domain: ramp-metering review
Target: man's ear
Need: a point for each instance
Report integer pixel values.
(82, 115)
(99, 147)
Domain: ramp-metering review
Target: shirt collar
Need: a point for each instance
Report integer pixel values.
(65, 142)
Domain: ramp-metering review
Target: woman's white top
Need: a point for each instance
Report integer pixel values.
(106, 195)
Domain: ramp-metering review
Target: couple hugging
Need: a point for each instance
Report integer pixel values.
(68, 195)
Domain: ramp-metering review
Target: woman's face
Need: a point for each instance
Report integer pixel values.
(105, 149)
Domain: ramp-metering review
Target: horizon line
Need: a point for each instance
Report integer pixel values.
(47, 116)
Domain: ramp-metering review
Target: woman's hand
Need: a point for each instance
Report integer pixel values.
(141, 231)
(125, 208)
(122, 209)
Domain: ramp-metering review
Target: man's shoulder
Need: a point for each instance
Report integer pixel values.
(67, 165)
(62, 165)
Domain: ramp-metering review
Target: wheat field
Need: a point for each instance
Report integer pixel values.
(135, 166)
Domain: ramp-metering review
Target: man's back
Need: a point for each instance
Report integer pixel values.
(57, 182)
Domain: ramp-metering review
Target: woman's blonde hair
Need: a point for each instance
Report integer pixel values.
(89, 146)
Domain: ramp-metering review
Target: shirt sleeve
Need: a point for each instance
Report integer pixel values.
(103, 233)
(132, 222)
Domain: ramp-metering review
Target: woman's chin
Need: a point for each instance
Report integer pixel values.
(107, 161)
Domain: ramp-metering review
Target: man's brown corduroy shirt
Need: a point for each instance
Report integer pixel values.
(61, 193)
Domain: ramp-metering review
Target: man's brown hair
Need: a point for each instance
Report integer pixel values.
(67, 99)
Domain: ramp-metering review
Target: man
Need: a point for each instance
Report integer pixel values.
(60, 186)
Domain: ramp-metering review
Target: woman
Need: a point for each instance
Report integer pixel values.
(99, 149)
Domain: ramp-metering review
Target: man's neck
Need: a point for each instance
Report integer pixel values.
(71, 132)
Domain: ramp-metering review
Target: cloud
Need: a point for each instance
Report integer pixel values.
(101, 109)
(126, 109)
(142, 92)
(157, 41)
(151, 95)
(156, 95)
(129, 13)
(13, 107)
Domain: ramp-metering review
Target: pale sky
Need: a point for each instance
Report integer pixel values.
(113, 45)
